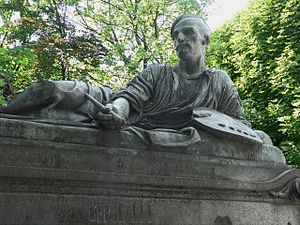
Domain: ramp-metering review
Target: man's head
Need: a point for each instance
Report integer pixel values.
(191, 35)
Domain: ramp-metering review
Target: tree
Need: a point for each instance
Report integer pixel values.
(99, 41)
(41, 42)
(15, 59)
(135, 32)
(264, 60)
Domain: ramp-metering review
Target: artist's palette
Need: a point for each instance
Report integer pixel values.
(221, 124)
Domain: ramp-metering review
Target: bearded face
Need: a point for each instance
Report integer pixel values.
(189, 40)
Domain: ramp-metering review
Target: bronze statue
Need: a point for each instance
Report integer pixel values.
(162, 98)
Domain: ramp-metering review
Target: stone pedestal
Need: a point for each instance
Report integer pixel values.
(64, 175)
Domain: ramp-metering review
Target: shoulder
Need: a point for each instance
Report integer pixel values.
(153, 73)
(158, 67)
(156, 70)
(219, 76)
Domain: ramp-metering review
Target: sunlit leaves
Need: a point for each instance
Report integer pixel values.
(264, 60)
(16, 66)
(136, 33)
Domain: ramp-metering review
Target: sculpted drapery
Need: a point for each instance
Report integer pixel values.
(163, 97)
(160, 102)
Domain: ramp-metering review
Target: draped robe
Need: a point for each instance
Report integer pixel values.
(162, 100)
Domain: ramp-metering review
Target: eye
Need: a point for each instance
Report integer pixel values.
(175, 34)
(189, 32)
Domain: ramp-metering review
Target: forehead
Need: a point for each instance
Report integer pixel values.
(189, 23)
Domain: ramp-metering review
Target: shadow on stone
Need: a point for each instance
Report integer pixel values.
(223, 220)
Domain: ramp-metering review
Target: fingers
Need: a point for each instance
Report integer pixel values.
(104, 117)
(108, 108)
(109, 121)
(106, 113)
(201, 114)
(109, 117)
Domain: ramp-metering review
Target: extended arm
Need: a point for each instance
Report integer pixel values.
(130, 102)
(114, 114)
(121, 106)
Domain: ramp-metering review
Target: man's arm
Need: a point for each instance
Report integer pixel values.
(129, 102)
(229, 101)
(121, 106)
(117, 113)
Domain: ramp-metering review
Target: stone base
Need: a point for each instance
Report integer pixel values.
(52, 182)
(71, 209)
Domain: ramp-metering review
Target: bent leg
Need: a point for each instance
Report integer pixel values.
(45, 94)
(62, 100)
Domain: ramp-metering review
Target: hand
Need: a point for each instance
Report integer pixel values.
(201, 114)
(110, 119)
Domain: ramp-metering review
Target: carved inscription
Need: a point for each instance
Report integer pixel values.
(120, 213)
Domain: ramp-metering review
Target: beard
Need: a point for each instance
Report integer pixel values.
(183, 50)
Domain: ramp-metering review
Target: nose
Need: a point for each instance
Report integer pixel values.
(180, 37)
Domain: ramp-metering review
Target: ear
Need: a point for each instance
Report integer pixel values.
(207, 39)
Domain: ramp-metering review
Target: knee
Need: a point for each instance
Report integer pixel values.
(52, 88)
(43, 88)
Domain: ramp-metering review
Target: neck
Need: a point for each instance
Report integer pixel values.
(190, 67)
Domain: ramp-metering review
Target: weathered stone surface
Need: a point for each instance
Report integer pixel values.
(48, 178)
(161, 170)
(78, 209)
(72, 133)
(177, 99)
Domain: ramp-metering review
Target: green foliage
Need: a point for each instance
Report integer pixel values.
(105, 42)
(260, 48)
(2, 100)
(15, 69)
(39, 41)
(135, 33)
